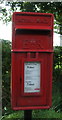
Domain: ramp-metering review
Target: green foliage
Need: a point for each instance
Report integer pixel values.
(48, 7)
(29, 7)
(57, 79)
(6, 65)
(57, 62)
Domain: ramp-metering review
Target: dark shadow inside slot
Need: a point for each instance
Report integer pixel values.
(25, 31)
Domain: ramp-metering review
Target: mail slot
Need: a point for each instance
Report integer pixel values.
(32, 60)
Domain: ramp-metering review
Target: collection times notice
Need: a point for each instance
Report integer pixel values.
(31, 77)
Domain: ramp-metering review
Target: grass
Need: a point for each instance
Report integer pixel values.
(14, 115)
(35, 114)
(46, 114)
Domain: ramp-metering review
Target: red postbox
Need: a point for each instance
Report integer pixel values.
(32, 58)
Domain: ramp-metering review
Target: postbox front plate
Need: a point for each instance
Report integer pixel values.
(32, 56)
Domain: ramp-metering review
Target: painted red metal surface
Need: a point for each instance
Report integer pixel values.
(32, 41)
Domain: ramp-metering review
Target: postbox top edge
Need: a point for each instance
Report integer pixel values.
(33, 28)
(33, 13)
